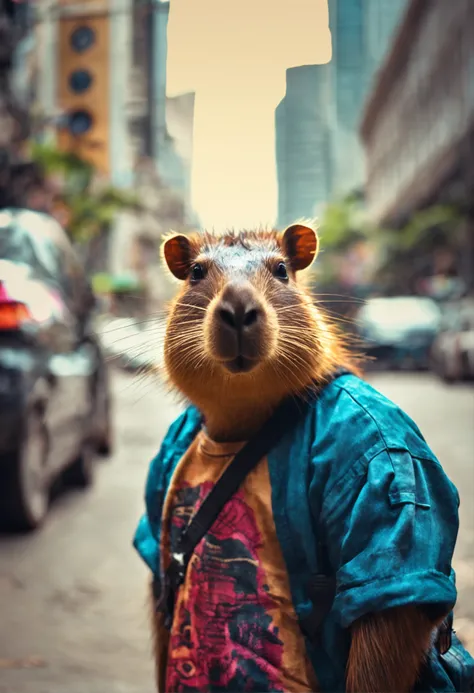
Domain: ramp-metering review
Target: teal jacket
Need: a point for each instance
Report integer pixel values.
(357, 472)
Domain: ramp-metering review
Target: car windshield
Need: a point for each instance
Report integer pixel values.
(16, 246)
(24, 240)
(401, 311)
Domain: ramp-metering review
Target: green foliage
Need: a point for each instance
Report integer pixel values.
(398, 250)
(406, 251)
(92, 209)
(344, 221)
(77, 173)
(443, 219)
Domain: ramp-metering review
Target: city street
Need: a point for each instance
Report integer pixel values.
(73, 614)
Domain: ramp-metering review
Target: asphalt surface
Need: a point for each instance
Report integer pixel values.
(73, 617)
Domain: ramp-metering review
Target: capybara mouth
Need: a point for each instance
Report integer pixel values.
(241, 364)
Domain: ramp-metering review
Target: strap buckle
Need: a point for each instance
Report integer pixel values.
(174, 578)
(177, 570)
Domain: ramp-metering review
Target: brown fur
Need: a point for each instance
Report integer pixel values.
(159, 642)
(387, 648)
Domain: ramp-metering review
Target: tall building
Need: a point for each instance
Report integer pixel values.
(302, 143)
(24, 70)
(147, 92)
(180, 128)
(383, 19)
(162, 128)
(84, 63)
(318, 151)
(361, 33)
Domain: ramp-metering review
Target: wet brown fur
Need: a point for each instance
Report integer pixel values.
(387, 649)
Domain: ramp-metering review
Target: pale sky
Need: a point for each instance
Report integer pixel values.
(234, 54)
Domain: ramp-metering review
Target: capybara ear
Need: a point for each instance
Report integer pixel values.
(177, 252)
(300, 245)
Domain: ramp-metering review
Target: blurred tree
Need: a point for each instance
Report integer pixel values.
(86, 206)
(344, 225)
(426, 228)
(16, 175)
(408, 254)
(344, 222)
(344, 229)
(402, 256)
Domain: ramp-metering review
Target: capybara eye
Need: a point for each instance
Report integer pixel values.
(280, 271)
(197, 272)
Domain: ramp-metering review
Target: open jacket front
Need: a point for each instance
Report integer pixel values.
(357, 474)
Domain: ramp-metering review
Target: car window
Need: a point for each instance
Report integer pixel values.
(71, 272)
(16, 247)
(40, 242)
(21, 242)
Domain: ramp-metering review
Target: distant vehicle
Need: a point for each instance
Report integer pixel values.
(398, 332)
(452, 354)
(55, 405)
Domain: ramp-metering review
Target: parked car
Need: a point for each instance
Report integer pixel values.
(398, 331)
(55, 404)
(452, 354)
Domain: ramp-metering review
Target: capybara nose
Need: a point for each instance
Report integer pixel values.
(238, 310)
(238, 327)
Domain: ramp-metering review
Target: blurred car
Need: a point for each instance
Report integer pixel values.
(55, 405)
(452, 354)
(398, 331)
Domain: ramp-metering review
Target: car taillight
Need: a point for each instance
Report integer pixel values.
(13, 314)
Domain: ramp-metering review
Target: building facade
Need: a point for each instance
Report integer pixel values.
(161, 128)
(318, 150)
(418, 126)
(134, 59)
(302, 143)
(180, 128)
(106, 62)
(361, 33)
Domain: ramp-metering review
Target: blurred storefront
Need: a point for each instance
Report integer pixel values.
(418, 125)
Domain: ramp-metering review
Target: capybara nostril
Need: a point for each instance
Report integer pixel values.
(227, 316)
(250, 317)
(237, 319)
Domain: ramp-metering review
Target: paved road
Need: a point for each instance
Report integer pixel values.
(73, 617)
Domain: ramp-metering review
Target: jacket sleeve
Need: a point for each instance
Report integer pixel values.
(148, 533)
(391, 533)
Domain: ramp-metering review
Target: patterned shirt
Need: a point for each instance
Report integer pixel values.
(234, 627)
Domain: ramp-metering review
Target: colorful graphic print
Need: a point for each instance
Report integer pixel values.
(223, 636)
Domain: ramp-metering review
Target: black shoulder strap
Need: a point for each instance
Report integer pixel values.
(245, 460)
(283, 420)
